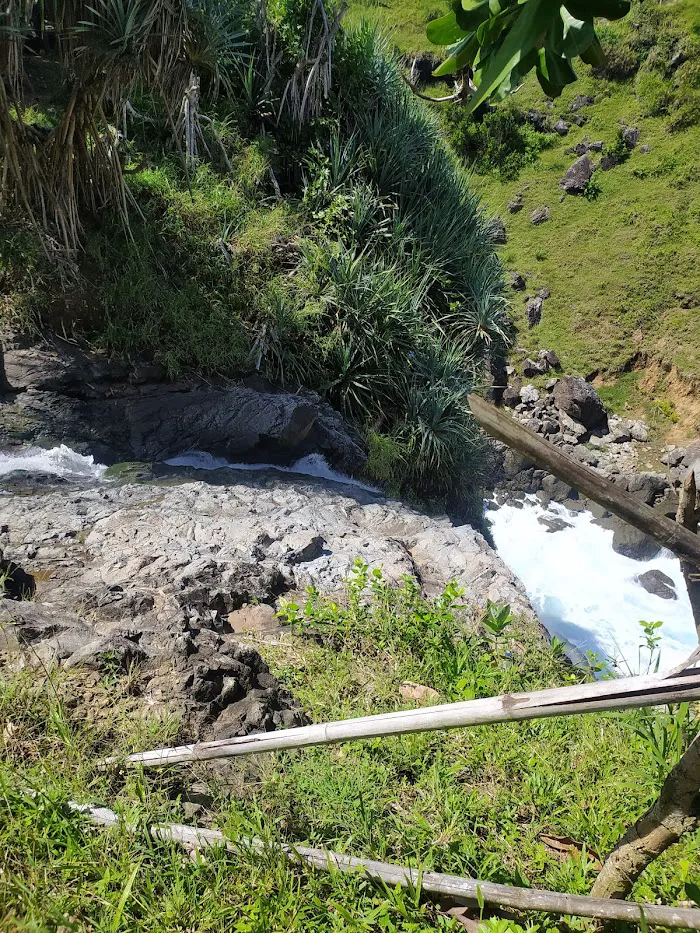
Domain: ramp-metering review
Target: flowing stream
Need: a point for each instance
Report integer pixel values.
(586, 593)
(583, 591)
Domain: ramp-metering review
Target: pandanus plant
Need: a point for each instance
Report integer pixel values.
(105, 48)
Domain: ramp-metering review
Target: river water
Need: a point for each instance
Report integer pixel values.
(582, 590)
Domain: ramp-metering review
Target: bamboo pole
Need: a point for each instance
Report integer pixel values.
(461, 890)
(548, 457)
(626, 693)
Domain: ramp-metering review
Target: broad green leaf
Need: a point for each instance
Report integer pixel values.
(693, 891)
(462, 54)
(470, 15)
(527, 32)
(444, 31)
(594, 54)
(608, 9)
(577, 34)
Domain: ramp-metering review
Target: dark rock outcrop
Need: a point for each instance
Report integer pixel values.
(578, 176)
(103, 407)
(580, 401)
(496, 231)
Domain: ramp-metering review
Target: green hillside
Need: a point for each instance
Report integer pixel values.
(621, 264)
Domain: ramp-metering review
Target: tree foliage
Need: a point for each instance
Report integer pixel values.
(499, 41)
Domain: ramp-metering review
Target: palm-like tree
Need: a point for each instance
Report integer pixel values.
(105, 48)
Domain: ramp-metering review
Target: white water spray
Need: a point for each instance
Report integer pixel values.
(585, 593)
(58, 461)
(311, 465)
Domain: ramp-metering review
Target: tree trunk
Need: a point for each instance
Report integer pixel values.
(687, 515)
(675, 811)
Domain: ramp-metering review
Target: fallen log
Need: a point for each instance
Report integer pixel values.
(461, 890)
(545, 455)
(625, 693)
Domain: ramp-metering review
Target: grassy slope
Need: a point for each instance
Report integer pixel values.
(623, 270)
(469, 802)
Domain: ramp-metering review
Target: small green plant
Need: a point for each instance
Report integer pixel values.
(666, 409)
(592, 189)
(497, 618)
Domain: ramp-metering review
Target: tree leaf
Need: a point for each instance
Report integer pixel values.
(470, 15)
(608, 9)
(445, 30)
(462, 54)
(533, 20)
(693, 891)
(577, 34)
(594, 54)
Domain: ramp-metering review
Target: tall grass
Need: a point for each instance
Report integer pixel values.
(399, 288)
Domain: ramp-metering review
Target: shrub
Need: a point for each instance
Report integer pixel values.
(502, 142)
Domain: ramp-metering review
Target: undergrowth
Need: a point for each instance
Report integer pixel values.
(532, 803)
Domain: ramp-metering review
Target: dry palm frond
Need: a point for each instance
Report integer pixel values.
(310, 84)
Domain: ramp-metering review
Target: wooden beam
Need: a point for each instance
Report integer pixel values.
(545, 455)
(625, 693)
(687, 516)
(461, 890)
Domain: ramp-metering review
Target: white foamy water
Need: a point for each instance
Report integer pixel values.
(59, 461)
(585, 593)
(311, 465)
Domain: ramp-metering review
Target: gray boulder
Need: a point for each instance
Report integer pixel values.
(561, 127)
(631, 136)
(647, 486)
(657, 583)
(580, 401)
(517, 282)
(533, 310)
(633, 543)
(539, 215)
(578, 176)
(516, 204)
(496, 231)
(581, 100)
(529, 395)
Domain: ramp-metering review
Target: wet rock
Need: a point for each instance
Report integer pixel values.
(539, 216)
(578, 176)
(633, 543)
(90, 404)
(553, 524)
(580, 401)
(657, 583)
(517, 282)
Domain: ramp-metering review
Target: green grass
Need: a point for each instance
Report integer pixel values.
(619, 267)
(623, 268)
(402, 21)
(472, 802)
